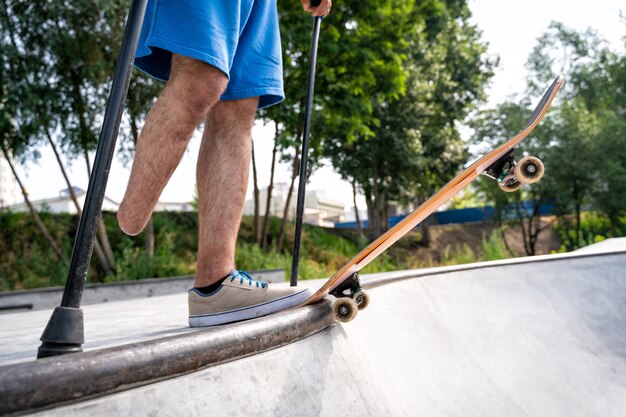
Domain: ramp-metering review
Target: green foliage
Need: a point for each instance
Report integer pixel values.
(251, 257)
(58, 59)
(458, 254)
(134, 263)
(26, 261)
(411, 145)
(610, 150)
(467, 198)
(583, 139)
(26, 258)
(56, 67)
(359, 62)
(594, 118)
(594, 228)
(323, 252)
(492, 248)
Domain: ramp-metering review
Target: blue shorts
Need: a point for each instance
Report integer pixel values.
(238, 37)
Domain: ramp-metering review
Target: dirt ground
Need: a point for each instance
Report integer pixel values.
(448, 239)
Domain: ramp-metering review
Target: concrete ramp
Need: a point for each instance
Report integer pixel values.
(544, 336)
(538, 339)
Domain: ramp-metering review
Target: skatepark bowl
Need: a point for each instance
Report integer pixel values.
(540, 336)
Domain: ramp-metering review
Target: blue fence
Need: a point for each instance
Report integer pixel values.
(466, 215)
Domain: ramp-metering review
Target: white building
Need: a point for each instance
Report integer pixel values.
(318, 209)
(9, 189)
(173, 206)
(351, 215)
(277, 203)
(321, 210)
(64, 204)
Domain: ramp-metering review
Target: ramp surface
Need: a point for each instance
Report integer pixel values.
(535, 338)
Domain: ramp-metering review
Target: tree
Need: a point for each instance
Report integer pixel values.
(581, 141)
(491, 128)
(359, 61)
(268, 202)
(571, 182)
(60, 58)
(609, 147)
(411, 144)
(82, 41)
(600, 86)
(593, 121)
(255, 194)
(24, 93)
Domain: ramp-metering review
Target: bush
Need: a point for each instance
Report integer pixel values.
(494, 248)
(594, 228)
(27, 261)
(455, 255)
(26, 258)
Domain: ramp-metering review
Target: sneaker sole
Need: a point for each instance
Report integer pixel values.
(246, 313)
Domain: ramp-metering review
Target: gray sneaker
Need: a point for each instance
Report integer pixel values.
(240, 297)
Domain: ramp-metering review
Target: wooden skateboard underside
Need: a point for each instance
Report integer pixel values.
(459, 182)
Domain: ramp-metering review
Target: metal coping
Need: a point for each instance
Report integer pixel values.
(45, 383)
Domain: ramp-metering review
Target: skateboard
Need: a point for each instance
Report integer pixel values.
(499, 164)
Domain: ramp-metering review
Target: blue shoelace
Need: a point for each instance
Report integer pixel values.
(243, 275)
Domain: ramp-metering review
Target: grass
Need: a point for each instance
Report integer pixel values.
(26, 260)
(492, 249)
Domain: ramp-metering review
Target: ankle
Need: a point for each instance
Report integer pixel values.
(206, 277)
(210, 289)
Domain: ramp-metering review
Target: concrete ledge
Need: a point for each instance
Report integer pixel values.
(11, 301)
(58, 380)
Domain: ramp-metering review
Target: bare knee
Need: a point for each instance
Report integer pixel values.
(233, 115)
(196, 85)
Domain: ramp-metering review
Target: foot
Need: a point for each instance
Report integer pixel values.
(240, 297)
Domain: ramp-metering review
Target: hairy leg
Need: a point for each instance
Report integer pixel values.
(222, 178)
(193, 88)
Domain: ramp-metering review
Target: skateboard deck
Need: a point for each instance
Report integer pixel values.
(498, 164)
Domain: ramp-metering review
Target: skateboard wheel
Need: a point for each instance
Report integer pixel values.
(510, 185)
(345, 309)
(362, 299)
(529, 170)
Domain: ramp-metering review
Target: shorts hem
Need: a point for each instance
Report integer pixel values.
(268, 96)
(152, 42)
(143, 66)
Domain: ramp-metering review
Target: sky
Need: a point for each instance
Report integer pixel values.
(509, 27)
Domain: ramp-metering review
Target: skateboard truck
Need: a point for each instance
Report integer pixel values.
(350, 298)
(497, 170)
(511, 174)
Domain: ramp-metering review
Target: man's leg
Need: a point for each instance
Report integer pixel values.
(222, 178)
(193, 88)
